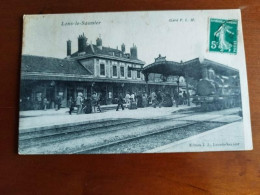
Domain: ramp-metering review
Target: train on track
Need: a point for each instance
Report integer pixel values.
(219, 88)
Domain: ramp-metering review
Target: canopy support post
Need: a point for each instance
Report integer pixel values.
(178, 92)
(146, 77)
(187, 89)
(178, 85)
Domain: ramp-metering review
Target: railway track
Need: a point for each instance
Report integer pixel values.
(63, 134)
(54, 135)
(131, 139)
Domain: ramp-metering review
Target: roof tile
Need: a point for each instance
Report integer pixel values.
(52, 65)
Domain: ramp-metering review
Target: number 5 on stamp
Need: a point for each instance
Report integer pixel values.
(223, 36)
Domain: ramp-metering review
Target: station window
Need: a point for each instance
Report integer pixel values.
(102, 69)
(129, 73)
(138, 74)
(114, 71)
(122, 71)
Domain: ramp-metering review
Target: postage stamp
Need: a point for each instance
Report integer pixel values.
(223, 36)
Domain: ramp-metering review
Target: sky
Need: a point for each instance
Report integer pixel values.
(153, 33)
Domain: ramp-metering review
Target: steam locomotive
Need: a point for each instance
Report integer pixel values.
(218, 89)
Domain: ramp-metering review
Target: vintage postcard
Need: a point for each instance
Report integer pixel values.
(134, 82)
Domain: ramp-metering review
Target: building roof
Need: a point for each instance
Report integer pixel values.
(52, 65)
(48, 68)
(165, 68)
(193, 68)
(106, 51)
(190, 68)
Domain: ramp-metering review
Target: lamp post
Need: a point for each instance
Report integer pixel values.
(122, 85)
(187, 89)
(146, 78)
(178, 85)
(178, 91)
(92, 86)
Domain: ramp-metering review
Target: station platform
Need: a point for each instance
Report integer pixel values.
(229, 137)
(40, 119)
(33, 113)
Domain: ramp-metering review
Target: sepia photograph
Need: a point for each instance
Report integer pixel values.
(133, 82)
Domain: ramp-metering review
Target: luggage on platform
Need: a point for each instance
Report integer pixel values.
(133, 105)
(87, 106)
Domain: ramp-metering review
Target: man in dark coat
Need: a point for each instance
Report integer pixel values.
(159, 99)
(58, 102)
(87, 106)
(98, 102)
(72, 105)
(120, 102)
(139, 100)
(176, 97)
(185, 98)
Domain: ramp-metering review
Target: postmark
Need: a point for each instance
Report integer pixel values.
(223, 36)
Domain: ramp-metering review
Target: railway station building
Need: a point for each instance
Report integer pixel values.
(93, 67)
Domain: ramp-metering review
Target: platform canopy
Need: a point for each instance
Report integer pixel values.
(161, 66)
(191, 68)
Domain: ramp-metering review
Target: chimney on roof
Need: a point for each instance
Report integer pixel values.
(68, 47)
(123, 48)
(133, 51)
(82, 43)
(99, 42)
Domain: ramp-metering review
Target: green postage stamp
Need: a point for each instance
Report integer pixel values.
(223, 36)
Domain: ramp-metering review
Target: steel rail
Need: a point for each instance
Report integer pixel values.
(143, 135)
(133, 138)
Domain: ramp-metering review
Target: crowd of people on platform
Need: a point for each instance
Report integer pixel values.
(159, 98)
(85, 105)
(131, 100)
(40, 103)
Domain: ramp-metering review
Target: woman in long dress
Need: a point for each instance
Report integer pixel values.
(221, 34)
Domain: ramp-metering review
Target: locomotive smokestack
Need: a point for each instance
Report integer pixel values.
(204, 72)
